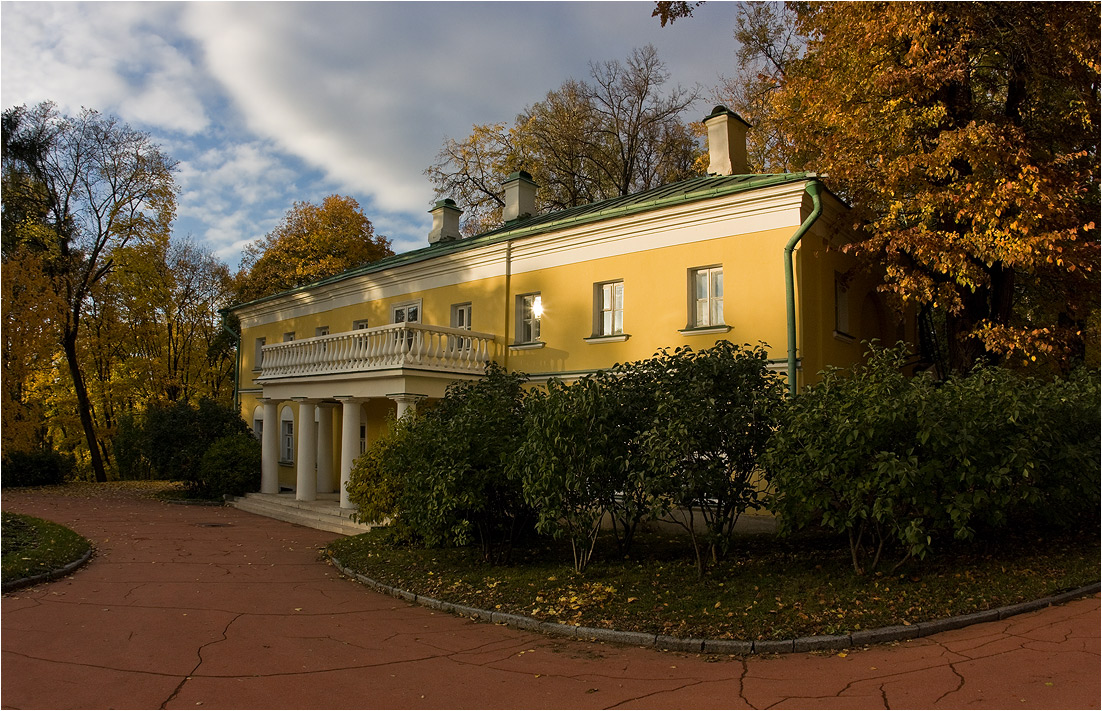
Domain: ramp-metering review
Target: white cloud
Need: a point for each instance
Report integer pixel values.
(115, 57)
(265, 103)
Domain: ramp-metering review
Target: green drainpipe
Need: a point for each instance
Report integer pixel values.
(813, 188)
(237, 362)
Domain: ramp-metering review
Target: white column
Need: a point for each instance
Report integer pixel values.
(307, 479)
(327, 484)
(407, 403)
(269, 449)
(350, 443)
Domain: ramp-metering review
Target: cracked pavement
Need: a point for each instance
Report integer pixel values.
(209, 607)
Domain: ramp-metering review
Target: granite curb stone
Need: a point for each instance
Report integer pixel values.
(878, 635)
(823, 641)
(728, 646)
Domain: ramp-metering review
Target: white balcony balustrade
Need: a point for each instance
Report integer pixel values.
(399, 345)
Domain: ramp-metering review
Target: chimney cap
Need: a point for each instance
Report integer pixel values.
(445, 203)
(721, 110)
(519, 175)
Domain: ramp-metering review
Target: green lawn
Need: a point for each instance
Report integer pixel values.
(769, 588)
(32, 546)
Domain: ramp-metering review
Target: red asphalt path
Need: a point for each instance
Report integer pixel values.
(207, 607)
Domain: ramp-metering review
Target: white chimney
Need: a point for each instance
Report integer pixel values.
(520, 196)
(726, 142)
(445, 221)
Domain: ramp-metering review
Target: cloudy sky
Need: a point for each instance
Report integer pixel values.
(263, 104)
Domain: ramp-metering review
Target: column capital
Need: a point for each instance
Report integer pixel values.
(325, 405)
(409, 398)
(350, 398)
(306, 400)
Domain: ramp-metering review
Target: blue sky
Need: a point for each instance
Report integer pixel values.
(267, 103)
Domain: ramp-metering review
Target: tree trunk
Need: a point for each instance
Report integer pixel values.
(84, 405)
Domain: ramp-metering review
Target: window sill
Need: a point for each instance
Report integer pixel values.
(704, 330)
(284, 463)
(843, 337)
(616, 338)
(527, 346)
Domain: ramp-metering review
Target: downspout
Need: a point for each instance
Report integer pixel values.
(237, 363)
(813, 188)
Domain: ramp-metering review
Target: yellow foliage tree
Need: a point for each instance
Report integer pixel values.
(966, 136)
(312, 242)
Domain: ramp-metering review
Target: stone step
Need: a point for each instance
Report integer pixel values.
(321, 515)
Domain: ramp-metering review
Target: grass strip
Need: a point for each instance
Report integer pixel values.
(33, 546)
(768, 588)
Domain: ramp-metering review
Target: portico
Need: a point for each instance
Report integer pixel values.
(346, 385)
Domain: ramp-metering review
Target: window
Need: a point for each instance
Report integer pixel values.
(287, 441)
(609, 309)
(360, 324)
(461, 318)
(841, 305)
(258, 353)
(707, 297)
(363, 438)
(406, 313)
(288, 337)
(321, 331)
(529, 312)
(258, 429)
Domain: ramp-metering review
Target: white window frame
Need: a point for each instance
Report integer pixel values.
(321, 331)
(461, 316)
(360, 325)
(461, 319)
(404, 308)
(288, 336)
(706, 308)
(287, 441)
(528, 323)
(608, 308)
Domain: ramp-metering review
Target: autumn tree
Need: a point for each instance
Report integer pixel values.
(616, 134)
(311, 242)
(966, 137)
(103, 185)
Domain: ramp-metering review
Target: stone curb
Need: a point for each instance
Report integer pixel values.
(893, 633)
(48, 575)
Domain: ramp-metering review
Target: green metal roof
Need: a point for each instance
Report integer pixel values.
(682, 192)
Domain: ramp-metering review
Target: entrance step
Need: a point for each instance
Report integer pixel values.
(325, 514)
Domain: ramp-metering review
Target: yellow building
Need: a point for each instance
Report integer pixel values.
(733, 256)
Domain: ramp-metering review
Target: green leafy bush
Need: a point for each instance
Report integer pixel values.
(231, 465)
(169, 441)
(444, 473)
(376, 479)
(131, 445)
(569, 477)
(38, 468)
(715, 412)
(907, 463)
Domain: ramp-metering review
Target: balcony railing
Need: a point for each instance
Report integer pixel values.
(399, 345)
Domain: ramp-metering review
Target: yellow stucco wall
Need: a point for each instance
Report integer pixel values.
(657, 301)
